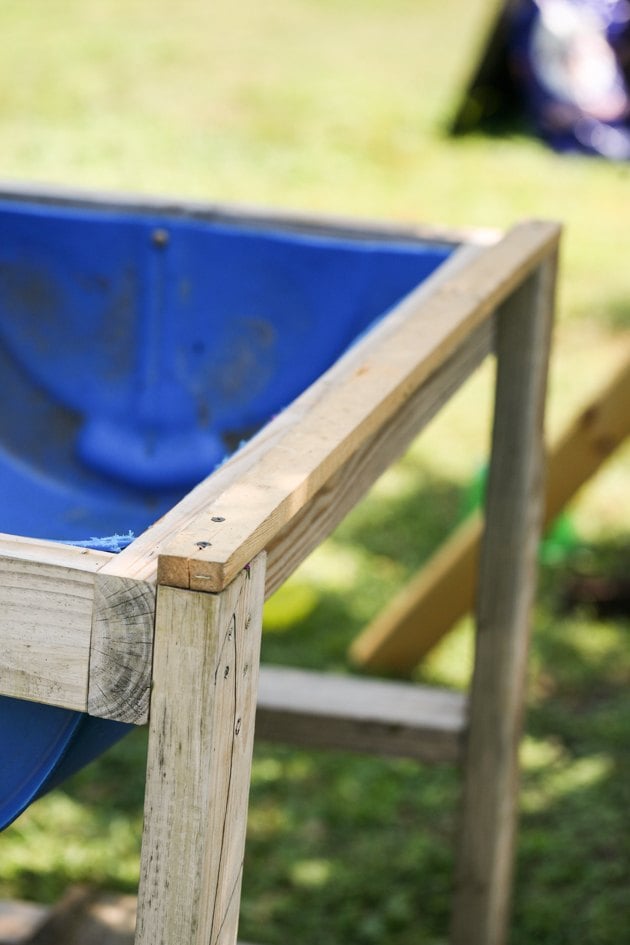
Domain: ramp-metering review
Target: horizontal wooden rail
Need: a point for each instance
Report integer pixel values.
(244, 506)
(319, 710)
(46, 603)
(246, 518)
(71, 636)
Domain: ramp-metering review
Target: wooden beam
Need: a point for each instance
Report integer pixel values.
(121, 649)
(443, 591)
(514, 513)
(212, 538)
(140, 559)
(305, 531)
(46, 596)
(71, 636)
(319, 710)
(200, 745)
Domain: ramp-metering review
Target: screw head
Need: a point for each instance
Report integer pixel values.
(160, 237)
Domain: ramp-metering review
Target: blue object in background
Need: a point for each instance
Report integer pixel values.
(136, 352)
(571, 61)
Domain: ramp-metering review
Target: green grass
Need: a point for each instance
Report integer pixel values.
(340, 106)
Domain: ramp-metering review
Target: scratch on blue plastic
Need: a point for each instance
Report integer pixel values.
(136, 352)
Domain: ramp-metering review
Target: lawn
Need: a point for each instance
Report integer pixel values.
(339, 106)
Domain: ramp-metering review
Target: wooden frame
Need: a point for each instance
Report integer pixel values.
(168, 630)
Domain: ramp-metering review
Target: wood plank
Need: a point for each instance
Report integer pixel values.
(514, 511)
(200, 745)
(320, 710)
(46, 596)
(121, 649)
(247, 517)
(53, 553)
(140, 559)
(305, 531)
(443, 590)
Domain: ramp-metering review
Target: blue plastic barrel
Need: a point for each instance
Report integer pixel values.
(137, 350)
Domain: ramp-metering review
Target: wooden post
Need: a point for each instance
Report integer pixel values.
(203, 703)
(506, 590)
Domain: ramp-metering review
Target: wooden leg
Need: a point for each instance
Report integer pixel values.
(203, 704)
(505, 597)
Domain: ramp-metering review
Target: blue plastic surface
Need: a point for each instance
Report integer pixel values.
(136, 352)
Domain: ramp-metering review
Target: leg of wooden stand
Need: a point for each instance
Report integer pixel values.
(505, 597)
(203, 704)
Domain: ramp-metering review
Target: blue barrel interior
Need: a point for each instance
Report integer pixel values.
(137, 350)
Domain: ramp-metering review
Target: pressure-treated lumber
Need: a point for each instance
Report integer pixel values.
(46, 596)
(320, 710)
(70, 636)
(200, 745)
(514, 512)
(443, 590)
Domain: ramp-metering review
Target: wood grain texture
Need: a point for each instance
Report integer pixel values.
(121, 649)
(200, 745)
(306, 530)
(53, 553)
(428, 329)
(514, 510)
(319, 710)
(46, 597)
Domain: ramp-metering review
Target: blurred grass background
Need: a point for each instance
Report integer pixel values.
(342, 106)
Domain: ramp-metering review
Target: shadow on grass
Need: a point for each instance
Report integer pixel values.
(574, 847)
(349, 849)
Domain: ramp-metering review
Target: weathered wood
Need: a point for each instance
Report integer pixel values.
(200, 745)
(206, 554)
(53, 553)
(121, 649)
(443, 591)
(46, 596)
(506, 588)
(320, 710)
(327, 508)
